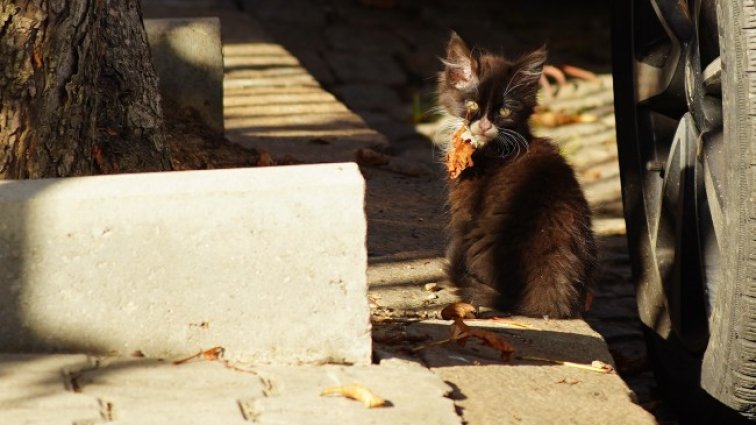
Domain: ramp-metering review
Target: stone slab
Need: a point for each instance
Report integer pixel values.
(149, 391)
(274, 104)
(186, 53)
(33, 390)
(415, 394)
(521, 391)
(268, 263)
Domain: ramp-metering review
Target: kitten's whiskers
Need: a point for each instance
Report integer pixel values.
(512, 140)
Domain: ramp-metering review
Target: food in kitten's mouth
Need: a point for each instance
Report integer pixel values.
(459, 157)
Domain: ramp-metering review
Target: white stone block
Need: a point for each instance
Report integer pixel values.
(268, 263)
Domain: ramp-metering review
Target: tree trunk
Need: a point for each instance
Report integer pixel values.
(78, 93)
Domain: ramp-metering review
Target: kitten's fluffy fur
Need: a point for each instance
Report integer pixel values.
(520, 234)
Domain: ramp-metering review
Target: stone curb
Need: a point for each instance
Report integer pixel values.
(50, 389)
(268, 263)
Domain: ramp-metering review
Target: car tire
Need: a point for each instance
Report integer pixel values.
(729, 365)
(697, 293)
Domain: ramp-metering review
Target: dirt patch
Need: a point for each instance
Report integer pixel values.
(192, 145)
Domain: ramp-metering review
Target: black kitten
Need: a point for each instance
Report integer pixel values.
(520, 235)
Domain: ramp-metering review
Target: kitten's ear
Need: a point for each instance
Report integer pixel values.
(528, 70)
(461, 67)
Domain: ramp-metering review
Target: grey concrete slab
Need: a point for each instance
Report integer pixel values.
(416, 396)
(268, 263)
(33, 391)
(148, 391)
(54, 416)
(186, 53)
(490, 391)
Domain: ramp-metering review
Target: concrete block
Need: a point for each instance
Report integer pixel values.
(415, 394)
(268, 263)
(187, 55)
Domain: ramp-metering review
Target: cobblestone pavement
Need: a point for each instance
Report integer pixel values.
(380, 58)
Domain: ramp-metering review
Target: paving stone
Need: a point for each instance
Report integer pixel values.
(423, 66)
(307, 38)
(33, 390)
(609, 226)
(489, 391)
(367, 96)
(594, 100)
(600, 171)
(289, 11)
(502, 394)
(568, 132)
(177, 415)
(368, 40)
(366, 69)
(604, 190)
(394, 130)
(147, 391)
(424, 38)
(317, 67)
(274, 104)
(417, 396)
(42, 364)
(54, 416)
(168, 263)
(362, 15)
(161, 380)
(592, 155)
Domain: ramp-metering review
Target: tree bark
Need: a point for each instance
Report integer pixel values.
(78, 93)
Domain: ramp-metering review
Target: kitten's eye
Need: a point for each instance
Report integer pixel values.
(505, 112)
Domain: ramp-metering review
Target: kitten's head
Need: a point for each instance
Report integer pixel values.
(504, 90)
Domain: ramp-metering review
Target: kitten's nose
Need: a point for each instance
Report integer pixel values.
(484, 124)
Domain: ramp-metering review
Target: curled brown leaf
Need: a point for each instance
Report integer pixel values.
(356, 392)
(458, 311)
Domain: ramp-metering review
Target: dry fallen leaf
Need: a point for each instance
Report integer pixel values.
(459, 331)
(460, 157)
(356, 392)
(212, 354)
(494, 341)
(458, 311)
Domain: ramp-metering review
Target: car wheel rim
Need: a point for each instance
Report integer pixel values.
(678, 108)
